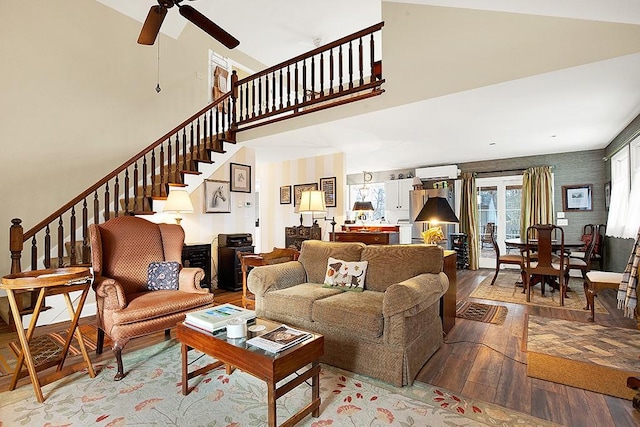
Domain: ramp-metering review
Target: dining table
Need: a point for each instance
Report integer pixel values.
(556, 245)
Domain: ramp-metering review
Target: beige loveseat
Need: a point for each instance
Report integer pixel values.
(388, 331)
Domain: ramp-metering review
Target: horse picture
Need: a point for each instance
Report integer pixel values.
(217, 196)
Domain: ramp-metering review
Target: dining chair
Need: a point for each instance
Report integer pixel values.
(542, 262)
(506, 259)
(582, 260)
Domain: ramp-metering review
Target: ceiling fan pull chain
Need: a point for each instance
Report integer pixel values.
(158, 89)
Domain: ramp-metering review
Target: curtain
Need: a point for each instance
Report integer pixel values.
(469, 216)
(537, 198)
(633, 210)
(627, 297)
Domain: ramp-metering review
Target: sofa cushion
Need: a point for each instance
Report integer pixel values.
(314, 255)
(389, 264)
(295, 301)
(152, 305)
(163, 275)
(358, 314)
(345, 276)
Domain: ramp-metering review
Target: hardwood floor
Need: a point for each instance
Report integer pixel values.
(480, 361)
(486, 362)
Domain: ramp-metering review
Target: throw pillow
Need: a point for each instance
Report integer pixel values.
(163, 275)
(346, 276)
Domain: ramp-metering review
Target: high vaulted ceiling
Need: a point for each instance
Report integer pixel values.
(565, 107)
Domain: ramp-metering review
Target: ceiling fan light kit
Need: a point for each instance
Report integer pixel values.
(156, 15)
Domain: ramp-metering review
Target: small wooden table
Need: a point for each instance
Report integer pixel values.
(271, 368)
(47, 282)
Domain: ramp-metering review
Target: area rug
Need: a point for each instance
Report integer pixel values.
(505, 290)
(487, 313)
(47, 347)
(583, 355)
(150, 395)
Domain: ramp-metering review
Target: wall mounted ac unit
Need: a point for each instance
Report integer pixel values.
(438, 172)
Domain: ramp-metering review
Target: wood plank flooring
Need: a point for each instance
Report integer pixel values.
(479, 360)
(486, 362)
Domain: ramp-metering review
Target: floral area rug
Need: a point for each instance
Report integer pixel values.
(151, 395)
(506, 290)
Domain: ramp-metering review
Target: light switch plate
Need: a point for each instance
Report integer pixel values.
(560, 214)
(563, 221)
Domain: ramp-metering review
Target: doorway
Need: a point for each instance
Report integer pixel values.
(499, 201)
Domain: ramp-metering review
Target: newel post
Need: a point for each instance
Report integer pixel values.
(16, 241)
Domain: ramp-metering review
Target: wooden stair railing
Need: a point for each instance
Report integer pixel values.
(337, 73)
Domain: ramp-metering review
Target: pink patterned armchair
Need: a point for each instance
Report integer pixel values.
(121, 251)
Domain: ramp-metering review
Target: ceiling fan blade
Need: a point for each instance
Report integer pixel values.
(151, 25)
(208, 27)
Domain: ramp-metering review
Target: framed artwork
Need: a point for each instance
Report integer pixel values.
(607, 195)
(217, 198)
(328, 185)
(298, 189)
(577, 197)
(285, 195)
(240, 178)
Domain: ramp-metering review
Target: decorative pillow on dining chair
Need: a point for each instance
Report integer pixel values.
(163, 275)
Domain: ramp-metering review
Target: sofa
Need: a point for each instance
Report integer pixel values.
(387, 331)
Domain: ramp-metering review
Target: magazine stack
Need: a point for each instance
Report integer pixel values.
(279, 339)
(214, 319)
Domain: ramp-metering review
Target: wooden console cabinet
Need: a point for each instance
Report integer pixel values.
(448, 300)
(294, 236)
(367, 237)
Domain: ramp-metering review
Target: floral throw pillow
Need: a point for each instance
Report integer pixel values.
(163, 275)
(344, 275)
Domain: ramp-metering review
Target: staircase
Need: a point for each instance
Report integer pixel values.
(337, 73)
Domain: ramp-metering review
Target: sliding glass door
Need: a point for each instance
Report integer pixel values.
(499, 201)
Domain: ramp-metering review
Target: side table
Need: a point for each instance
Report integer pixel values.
(47, 282)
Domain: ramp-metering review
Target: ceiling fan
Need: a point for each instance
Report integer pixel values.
(156, 15)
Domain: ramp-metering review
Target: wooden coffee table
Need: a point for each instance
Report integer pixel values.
(271, 368)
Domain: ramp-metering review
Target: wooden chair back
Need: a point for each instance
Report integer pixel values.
(250, 260)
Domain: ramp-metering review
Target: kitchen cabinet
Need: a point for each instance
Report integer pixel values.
(396, 199)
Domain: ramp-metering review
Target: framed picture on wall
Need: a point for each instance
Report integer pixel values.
(298, 189)
(577, 197)
(328, 185)
(240, 178)
(285, 195)
(217, 198)
(607, 195)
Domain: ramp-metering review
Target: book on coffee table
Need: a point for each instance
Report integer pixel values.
(215, 318)
(279, 339)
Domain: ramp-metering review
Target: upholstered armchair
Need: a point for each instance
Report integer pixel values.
(121, 251)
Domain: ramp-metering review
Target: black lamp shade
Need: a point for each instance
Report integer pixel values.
(437, 209)
(362, 206)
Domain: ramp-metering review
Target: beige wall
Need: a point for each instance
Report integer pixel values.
(425, 47)
(77, 99)
(274, 217)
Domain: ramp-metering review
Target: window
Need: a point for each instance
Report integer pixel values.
(374, 193)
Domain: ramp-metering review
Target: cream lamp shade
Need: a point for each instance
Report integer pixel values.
(312, 202)
(178, 202)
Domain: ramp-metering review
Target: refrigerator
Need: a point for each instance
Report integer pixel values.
(417, 199)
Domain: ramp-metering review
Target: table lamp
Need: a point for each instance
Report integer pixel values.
(178, 202)
(314, 202)
(436, 210)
